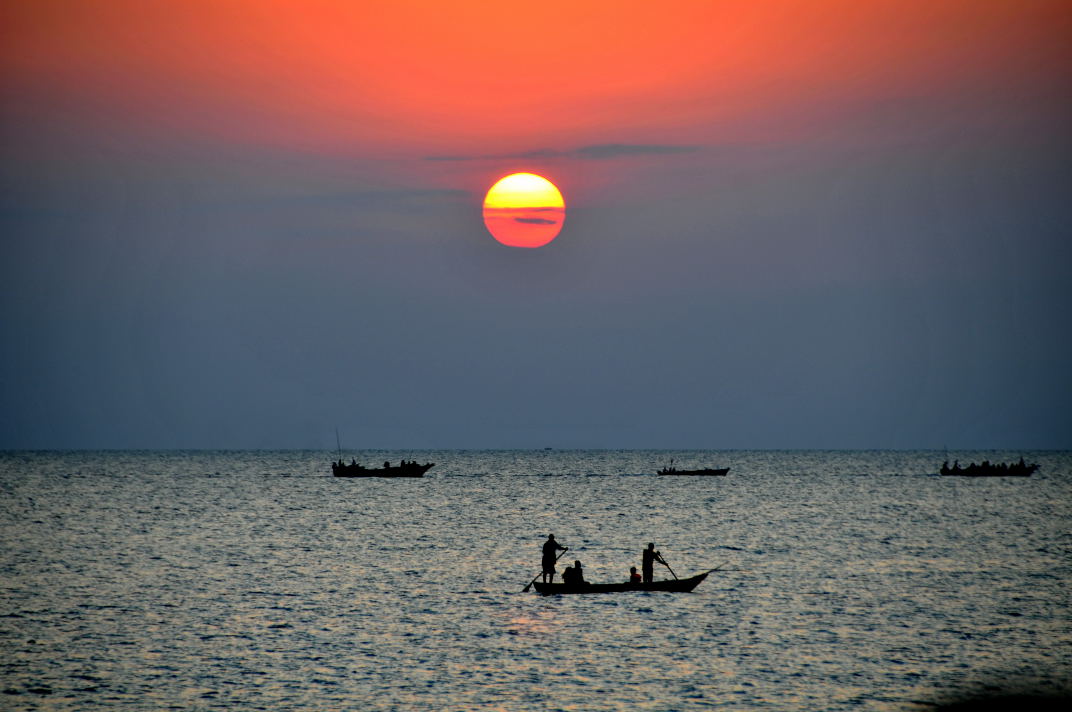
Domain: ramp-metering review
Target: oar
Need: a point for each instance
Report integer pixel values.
(526, 589)
(663, 562)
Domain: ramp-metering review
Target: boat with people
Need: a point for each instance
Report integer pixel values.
(573, 577)
(988, 469)
(671, 585)
(404, 469)
(705, 471)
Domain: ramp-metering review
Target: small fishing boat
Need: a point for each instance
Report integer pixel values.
(672, 585)
(404, 469)
(708, 471)
(988, 469)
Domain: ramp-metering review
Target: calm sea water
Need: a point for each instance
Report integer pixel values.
(254, 580)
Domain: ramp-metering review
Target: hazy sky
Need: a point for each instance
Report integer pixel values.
(789, 224)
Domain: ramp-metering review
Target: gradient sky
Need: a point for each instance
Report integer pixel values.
(791, 224)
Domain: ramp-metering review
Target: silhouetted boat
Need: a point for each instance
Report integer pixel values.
(406, 469)
(708, 471)
(986, 469)
(672, 585)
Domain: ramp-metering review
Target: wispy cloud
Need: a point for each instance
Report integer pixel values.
(536, 221)
(596, 152)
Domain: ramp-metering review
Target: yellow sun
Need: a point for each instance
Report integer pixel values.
(524, 210)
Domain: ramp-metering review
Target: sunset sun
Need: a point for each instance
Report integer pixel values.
(524, 210)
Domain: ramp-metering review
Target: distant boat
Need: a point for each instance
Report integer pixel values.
(707, 471)
(986, 469)
(672, 585)
(404, 469)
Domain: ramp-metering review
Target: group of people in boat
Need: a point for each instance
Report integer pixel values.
(401, 463)
(986, 467)
(574, 575)
(386, 464)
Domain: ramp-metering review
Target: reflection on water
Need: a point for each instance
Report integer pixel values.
(219, 580)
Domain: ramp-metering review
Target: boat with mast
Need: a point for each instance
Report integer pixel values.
(404, 469)
(355, 469)
(705, 471)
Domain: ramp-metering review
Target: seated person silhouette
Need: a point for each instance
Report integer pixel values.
(573, 575)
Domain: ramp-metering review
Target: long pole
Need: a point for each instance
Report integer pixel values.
(663, 561)
(338, 445)
(720, 566)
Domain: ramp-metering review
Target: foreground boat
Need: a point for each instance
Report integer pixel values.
(672, 585)
(709, 472)
(986, 469)
(405, 469)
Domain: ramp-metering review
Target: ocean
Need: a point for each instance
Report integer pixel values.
(256, 581)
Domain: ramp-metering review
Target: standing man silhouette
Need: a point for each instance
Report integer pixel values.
(648, 563)
(550, 549)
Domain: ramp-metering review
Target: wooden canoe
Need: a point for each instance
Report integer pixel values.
(988, 469)
(709, 471)
(671, 585)
(411, 469)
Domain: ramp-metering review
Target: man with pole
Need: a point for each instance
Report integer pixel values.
(550, 558)
(650, 556)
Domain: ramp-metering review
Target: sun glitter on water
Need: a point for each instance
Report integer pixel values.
(524, 210)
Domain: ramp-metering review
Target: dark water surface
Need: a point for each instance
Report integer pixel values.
(253, 580)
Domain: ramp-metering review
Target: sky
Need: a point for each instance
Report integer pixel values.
(789, 224)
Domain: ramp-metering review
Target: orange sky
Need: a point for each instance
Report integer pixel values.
(781, 213)
(407, 77)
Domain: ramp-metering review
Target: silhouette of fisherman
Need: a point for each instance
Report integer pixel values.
(550, 547)
(634, 577)
(648, 563)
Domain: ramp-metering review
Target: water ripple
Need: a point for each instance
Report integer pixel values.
(254, 580)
